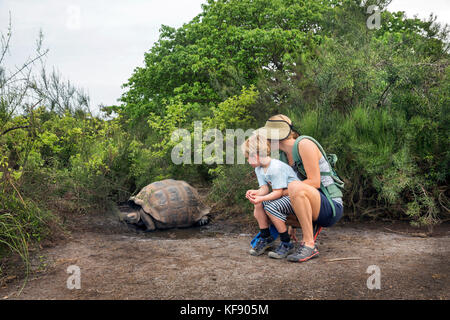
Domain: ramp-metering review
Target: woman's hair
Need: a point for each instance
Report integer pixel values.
(293, 134)
(256, 144)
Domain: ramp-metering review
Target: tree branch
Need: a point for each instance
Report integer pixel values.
(14, 128)
(6, 45)
(20, 127)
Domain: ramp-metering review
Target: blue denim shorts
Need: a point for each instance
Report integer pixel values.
(326, 218)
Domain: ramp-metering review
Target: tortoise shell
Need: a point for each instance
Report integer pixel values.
(174, 203)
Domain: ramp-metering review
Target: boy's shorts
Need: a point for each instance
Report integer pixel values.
(281, 208)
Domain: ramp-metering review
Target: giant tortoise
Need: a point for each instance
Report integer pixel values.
(166, 204)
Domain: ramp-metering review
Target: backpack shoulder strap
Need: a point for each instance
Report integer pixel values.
(283, 157)
(296, 154)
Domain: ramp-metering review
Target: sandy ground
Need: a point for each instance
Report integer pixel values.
(212, 262)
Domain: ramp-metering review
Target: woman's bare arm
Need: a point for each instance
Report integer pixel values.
(309, 153)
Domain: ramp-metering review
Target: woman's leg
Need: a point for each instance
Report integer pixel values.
(305, 200)
(261, 217)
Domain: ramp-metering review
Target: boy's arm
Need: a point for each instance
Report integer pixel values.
(275, 194)
(251, 194)
(263, 190)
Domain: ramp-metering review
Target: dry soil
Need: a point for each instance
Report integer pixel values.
(212, 262)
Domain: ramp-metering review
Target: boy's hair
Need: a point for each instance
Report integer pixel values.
(256, 144)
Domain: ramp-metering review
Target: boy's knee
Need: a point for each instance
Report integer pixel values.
(258, 206)
(258, 209)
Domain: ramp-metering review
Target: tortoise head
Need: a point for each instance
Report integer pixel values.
(132, 215)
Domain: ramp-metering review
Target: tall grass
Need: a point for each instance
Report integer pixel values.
(22, 225)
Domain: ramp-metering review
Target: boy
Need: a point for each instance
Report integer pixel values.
(277, 174)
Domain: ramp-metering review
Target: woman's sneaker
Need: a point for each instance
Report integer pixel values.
(283, 250)
(262, 245)
(303, 254)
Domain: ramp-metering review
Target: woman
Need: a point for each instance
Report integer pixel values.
(309, 202)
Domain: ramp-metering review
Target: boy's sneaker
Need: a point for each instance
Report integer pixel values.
(283, 250)
(262, 245)
(303, 254)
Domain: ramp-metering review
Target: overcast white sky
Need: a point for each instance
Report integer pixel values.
(96, 44)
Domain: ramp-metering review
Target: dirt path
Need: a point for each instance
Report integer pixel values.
(212, 263)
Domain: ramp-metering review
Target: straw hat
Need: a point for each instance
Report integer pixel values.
(278, 127)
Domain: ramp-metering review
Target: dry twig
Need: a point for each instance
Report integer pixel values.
(342, 259)
(412, 234)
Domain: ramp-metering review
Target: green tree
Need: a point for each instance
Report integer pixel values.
(221, 50)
